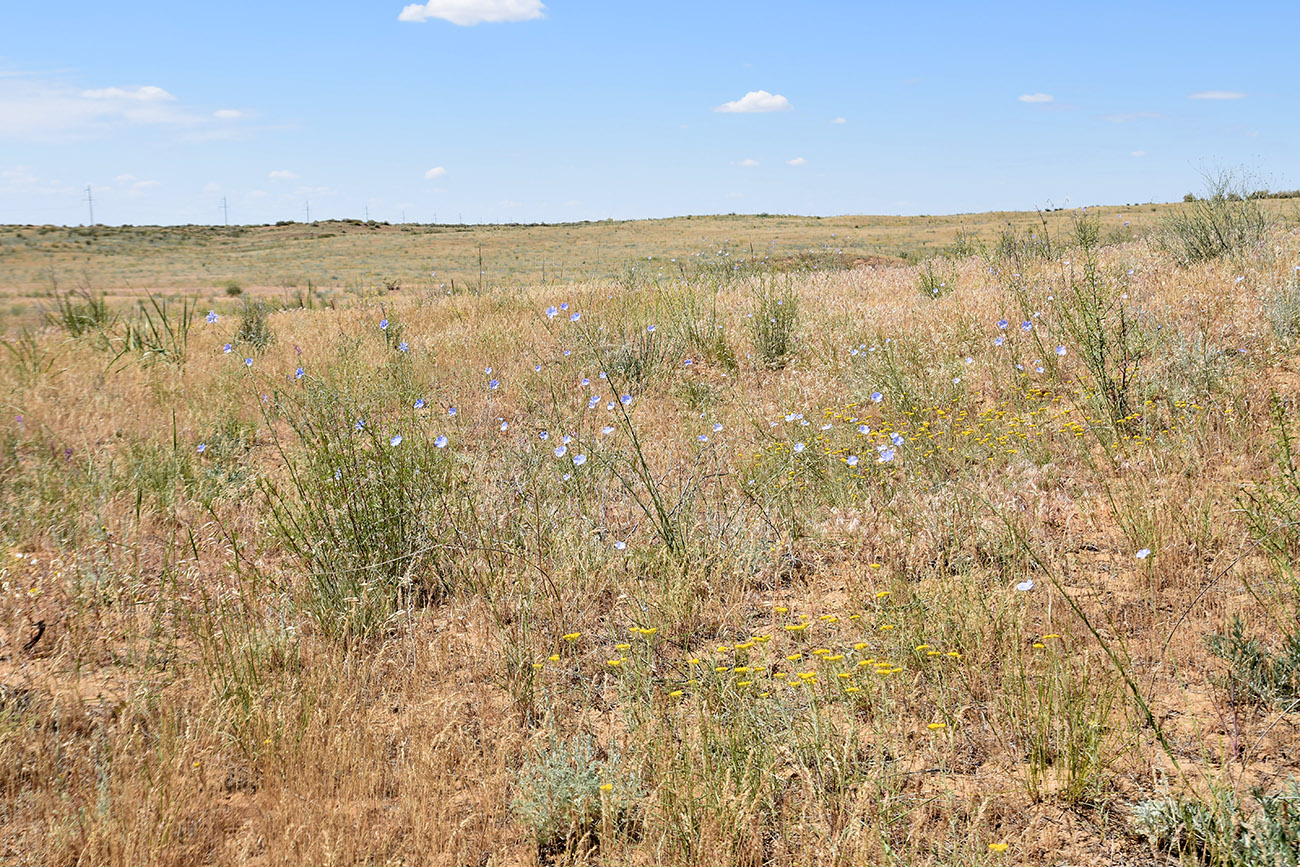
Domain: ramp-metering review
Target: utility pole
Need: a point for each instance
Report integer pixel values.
(403, 216)
(367, 213)
(225, 211)
(309, 210)
(90, 202)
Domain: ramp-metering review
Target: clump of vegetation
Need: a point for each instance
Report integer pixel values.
(81, 313)
(1223, 222)
(774, 326)
(1221, 833)
(933, 283)
(255, 325)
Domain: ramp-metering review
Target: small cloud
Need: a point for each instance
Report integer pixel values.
(144, 185)
(1036, 97)
(124, 179)
(797, 161)
(148, 93)
(283, 175)
(754, 102)
(837, 120)
(467, 13)
(227, 113)
(746, 163)
(435, 172)
(1138, 154)
(1217, 94)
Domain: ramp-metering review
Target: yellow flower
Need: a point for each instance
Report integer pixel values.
(780, 675)
(885, 627)
(844, 675)
(781, 609)
(538, 665)
(649, 631)
(721, 667)
(921, 647)
(573, 636)
(1038, 645)
(875, 565)
(677, 693)
(821, 651)
(934, 727)
(851, 689)
(744, 683)
(746, 646)
(607, 787)
(796, 627)
(1051, 635)
(722, 648)
(741, 669)
(861, 645)
(998, 847)
(615, 662)
(554, 657)
(882, 594)
(835, 658)
(695, 660)
(830, 618)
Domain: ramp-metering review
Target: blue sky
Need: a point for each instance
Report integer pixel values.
(575, 109)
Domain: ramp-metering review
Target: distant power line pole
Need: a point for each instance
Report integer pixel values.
(308, 206)
(367, 213)
(403, 216)
(90, 202)
(225, 211)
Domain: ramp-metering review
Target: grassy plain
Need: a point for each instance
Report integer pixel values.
(975, 559)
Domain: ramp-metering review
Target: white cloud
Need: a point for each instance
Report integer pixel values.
(283, 175)
(1138, 154)
(435, 172)
(1217, 94)
(837, 120)
(124, 178)
(756, 101)
(148, 93)
(797, 161)
(1036, 97)
(467, 13)
(747, 163)
(227, 113)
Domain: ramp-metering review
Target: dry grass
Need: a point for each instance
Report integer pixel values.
(769, 653)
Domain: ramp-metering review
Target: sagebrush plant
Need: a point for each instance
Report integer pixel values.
(1225, 221)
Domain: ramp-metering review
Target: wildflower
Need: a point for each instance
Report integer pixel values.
(419, 403)
(999, 341)
(579, 460)
(383, 324)
(227, 348)
(886, 455)
(934, 727)
(1002, 323)
(896, 439)
(451, 410)
(564, 306)
(440, 442)
(620, 545)
(863, 429)
(552, 312)
(1026, 585)
(607, 430)
(403, 347)
(560, 451)
(359, 426)
(852, 460)
(494, 383)
(677, 693)
(248, 362)
(798, 447)
(1144, 553)
(396, 440)
(877, 397)
(299, 373)
(622, 647)
(575, 317)
(1026, 325)
(650, 329)
(537, 368)
(796, 627)
(571, 636)
(626, 400)
(1002, 847)
(1060, 350)
(203, 447)
(212, 316)
(607, 787)
(881, 594)
(717, 427)
(704, 438)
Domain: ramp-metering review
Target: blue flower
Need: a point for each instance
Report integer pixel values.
(626, 400)
(650, 329)
(568, 352)
(877, 397)
(717, 427)
(396, 440)
(360, 425)
(798, 447)
(852, 460)
(1060, 350)
(896, 439)
(383, 324)
(566, 439)
(227, 348)
(999, 341)
(419, 404)
(203, 447)
(451, 410)
(586, 381)
(494, 383)
(403, 347)
(886, 455)
(1026, 325)
(299, 373)
(1026, 585)
(607, 430)
(620, 546)
(440, 442)
(212, 316)
(544, 436)
(248, 362)
(1144, 553)
(1002, 323)
(863, 429)
(579, 460)
(561, 451)
(564, 306)
(552, 312)
(593, 402)
(505, 425)
(574, 317)
(704, 438)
